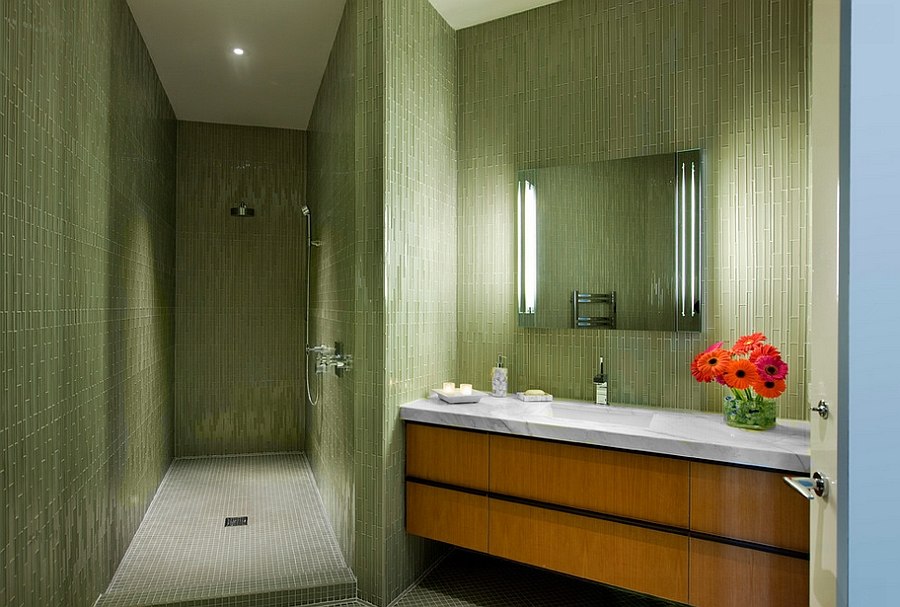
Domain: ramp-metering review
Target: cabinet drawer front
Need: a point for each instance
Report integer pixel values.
(636, 486)
(448, 516)
(751, 505)
(445, 455)
(640, 559)
(730, 576)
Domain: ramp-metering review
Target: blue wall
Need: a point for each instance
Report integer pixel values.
(871, 292)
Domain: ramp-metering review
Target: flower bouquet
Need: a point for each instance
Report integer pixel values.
(755, 374)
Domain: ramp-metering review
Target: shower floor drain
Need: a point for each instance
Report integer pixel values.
(235, 521)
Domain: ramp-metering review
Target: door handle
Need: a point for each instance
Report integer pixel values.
(821, 408)
(810, 487)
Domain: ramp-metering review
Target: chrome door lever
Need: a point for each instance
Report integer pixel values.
(821, 408)
(810, 487)
(803, 485)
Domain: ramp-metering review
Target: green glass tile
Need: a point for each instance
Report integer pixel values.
(88, 264)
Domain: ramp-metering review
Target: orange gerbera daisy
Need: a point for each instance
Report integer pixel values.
(769, 388)
(764, 350)
(708, 365)
(740, 374)
(747, 343)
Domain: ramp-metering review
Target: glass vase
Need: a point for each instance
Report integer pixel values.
(756, 413)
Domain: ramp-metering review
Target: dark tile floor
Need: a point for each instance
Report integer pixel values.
(466, 579)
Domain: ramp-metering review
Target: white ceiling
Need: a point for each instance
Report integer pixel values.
(286, 44)
(466, 13)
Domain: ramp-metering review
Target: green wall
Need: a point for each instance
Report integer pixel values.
(240, 291)
(344, 434)
(581, 81)
(384, 277)
(368, 313)
(332, 194)
(420, 247)
(87, 310)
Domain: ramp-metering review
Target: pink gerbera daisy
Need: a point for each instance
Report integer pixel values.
(771, 367)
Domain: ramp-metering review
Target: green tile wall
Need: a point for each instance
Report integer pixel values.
(239, 290)
(420, 247)
(331, 192)
(87, 259)
(368, 312)
(581, 81)
(382, 160)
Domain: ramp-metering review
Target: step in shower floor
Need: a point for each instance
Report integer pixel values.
(182, 553)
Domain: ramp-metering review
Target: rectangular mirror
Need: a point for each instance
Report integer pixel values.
(613, 244)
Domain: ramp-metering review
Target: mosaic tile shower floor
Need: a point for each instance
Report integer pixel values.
(466, 579)
(183, 554)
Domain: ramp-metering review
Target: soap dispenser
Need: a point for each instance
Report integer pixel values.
(601, 385)
(499, 377)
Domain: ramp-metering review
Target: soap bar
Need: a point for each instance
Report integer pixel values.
(532, 396)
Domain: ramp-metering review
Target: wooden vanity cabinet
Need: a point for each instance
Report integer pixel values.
(752, 505)
(755, 506)
(723, 575)
(645, 560)
(449, 516)
(711, 535)
(631, 485)
(446, 455)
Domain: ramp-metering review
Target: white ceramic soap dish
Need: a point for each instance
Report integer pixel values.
(534, 398)
(457, 398)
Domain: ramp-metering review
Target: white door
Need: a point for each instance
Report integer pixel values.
(823, 320)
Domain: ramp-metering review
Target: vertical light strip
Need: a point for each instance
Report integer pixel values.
(530, 248)
(693, 238)
(683, 252)
(521, 281)
(676, 223)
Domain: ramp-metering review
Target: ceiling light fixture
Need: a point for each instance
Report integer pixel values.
(238, 51)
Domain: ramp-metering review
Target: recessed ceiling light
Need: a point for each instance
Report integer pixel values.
(238, 51)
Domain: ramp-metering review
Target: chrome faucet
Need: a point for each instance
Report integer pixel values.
(601, 386)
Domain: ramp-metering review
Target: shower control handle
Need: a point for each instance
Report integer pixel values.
(321, 350)
(326, 356)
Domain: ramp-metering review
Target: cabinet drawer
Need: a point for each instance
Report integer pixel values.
(730, 576)
(640, 559)
(445, 455)
(751, 505)
(448, 516)
(637, 486)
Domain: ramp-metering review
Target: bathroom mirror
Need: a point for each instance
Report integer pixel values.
(613, 244)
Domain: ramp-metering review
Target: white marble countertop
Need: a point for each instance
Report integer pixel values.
(702, 436)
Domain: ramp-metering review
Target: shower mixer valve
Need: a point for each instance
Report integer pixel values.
(327, 356)
(322, 350)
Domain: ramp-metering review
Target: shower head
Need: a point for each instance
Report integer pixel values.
(243, 211)
(305, 210)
